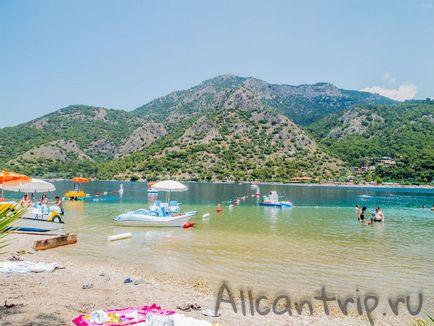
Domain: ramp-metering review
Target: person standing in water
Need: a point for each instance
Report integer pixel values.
(58, 203)
(361, 217)
(378, 216)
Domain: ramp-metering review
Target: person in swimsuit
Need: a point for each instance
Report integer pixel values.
(59, 204)
(44, 200)
(361, 217)
(25, 202)
(378, 216)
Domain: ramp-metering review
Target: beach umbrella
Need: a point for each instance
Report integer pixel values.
(80, 180)
(77, 181)
(169, 186)
(10, 178)
(34, 185)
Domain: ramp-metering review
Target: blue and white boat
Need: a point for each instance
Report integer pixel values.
(272, 200)
(159, 214)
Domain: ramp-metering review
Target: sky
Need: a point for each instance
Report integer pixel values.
(123, 54)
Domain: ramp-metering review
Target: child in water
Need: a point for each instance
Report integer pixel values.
(361, 217)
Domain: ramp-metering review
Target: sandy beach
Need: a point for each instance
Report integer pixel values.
(56, 298)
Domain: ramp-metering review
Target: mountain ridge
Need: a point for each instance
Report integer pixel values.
(252, 130)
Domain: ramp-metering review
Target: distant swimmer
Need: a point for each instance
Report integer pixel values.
(361, 217)
(378, 216)
(432, 208)
(357, 209)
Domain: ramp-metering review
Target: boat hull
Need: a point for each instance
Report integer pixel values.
(36, 219)
(278, 204)
(131, 219)
(37, 225)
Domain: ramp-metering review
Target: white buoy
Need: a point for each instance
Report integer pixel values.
(205, 215)
(119, 236)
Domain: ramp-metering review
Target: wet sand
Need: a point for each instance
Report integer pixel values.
(56, 298)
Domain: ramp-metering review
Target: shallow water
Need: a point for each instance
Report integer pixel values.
(319, 242)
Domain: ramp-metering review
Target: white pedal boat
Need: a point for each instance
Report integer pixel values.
(37, 218)
(144, 217)
(40, 219)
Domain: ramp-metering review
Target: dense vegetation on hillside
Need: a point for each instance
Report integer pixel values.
(230, 146)
(404, 132)
(85, 125)
(230, 128)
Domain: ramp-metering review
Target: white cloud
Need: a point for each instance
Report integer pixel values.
(402, 93)
(388, 78)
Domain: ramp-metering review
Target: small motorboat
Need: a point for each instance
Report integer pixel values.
(159, 214)
(272, 200)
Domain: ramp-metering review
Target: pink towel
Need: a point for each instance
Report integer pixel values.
(124, 316)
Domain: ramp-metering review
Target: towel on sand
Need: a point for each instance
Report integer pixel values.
(27, 266)
(135, 316)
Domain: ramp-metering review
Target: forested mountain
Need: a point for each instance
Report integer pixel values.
(363, 135)
(226, 128)
(235, 137)
(302, 104)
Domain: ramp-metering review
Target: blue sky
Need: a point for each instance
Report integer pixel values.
(122, 54)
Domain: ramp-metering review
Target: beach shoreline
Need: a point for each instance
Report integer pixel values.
(56, 298)
(299, 184)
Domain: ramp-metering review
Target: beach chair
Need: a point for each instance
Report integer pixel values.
(174, 207)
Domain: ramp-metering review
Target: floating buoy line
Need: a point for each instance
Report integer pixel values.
(239, 200)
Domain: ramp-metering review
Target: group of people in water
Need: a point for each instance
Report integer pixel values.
(377, 216)
(26, 202)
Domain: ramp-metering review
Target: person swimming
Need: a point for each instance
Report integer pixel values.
(361, 217)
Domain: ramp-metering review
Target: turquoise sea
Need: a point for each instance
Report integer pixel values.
(317, 243)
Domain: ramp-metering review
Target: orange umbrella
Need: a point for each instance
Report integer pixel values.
(80, 180)
(11, 178)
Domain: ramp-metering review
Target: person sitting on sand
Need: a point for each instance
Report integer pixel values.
(361, 217)
(378, 216)
(25, 202)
